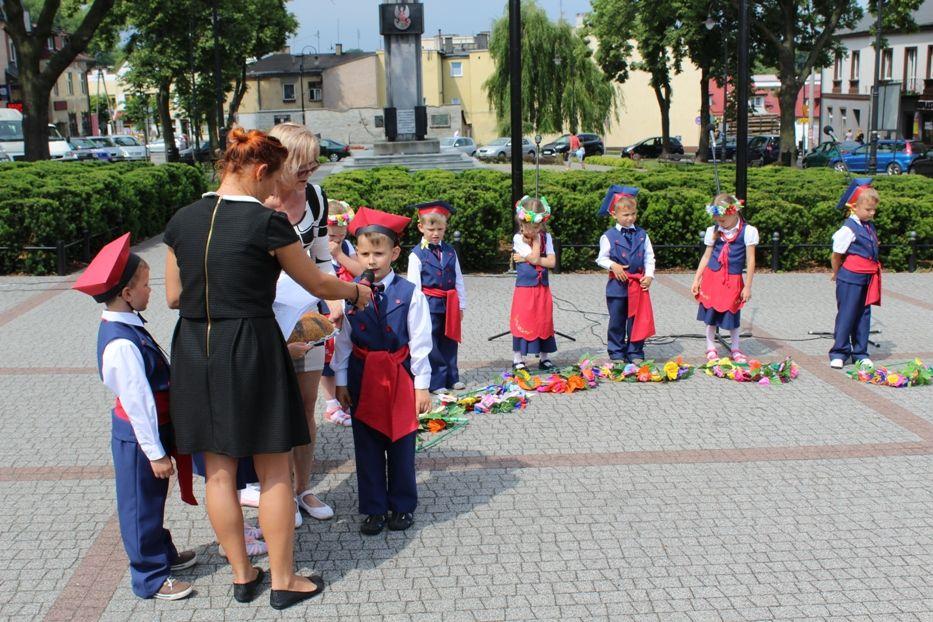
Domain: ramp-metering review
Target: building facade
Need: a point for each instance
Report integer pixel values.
(906, 66)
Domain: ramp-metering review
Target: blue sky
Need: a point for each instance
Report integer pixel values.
(360, 17)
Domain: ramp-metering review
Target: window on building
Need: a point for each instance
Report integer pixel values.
(858, 117)
(455, 101)
(314, 93)
(55, 89)
(756, 103)
(837, 68)
(930, 62)
(71, 83)
(887, 64)
(281, 118)
(72, 124)
(83, 82)
(456, 69)
(12, 51)
(855, 66)
(910, 70)
(50, 44)
(288, 92)
(829, 113)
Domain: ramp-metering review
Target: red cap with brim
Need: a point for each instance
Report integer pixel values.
(109, 271)
(434, 207)
(374, 221)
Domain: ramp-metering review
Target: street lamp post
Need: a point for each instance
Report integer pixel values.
(875, 116)
(301, 85)
(711, 23)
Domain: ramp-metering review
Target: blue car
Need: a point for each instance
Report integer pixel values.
(894, 157)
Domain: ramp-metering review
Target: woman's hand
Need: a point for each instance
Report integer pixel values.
(422, 401)
(364, 295)
(298, 349)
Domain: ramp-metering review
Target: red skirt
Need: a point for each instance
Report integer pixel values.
(721, 294)
(532, 315)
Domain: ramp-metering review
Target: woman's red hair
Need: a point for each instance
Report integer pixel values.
(248, 148)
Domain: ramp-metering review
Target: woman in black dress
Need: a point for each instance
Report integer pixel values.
(234, 391)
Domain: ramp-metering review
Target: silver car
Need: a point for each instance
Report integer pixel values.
(130, 148)
(460, 143)
(501, 149)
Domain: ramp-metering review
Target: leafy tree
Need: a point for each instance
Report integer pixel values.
(39, 70)
(102, 107)
(561, 85)
(653, 27)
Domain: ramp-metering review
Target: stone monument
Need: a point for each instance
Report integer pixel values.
(401, 23)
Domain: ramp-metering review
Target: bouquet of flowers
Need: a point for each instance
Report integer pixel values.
(753, 370)
(913, 374)
(588, 373)
(438, 425)
(648, 371)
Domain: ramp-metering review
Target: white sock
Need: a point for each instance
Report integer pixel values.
(332, 404)
(544, 356)
(734, 335)
(710, 337)
(517, 358)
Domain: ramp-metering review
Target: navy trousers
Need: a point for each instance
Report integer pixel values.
(385, 471)
(853, 322)
(620, 331)
(443, 357)
(141, 510)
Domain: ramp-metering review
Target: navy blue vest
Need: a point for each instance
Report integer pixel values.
(157, 368)
(386, 329)
(736, 253)
(625, 250)
(437, 274)
(864, 245)
(526, 275)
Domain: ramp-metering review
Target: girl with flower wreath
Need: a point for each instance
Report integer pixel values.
(532, 315)
(718, 284)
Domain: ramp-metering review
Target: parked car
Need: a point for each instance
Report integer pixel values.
(11, 136)
(105, 148)
(822, 154)
(460, 143)
(894, 157)
(764, 149)
(4, 156)
(334, 151)
(651, 148)
(130, 148)
(923, 165)
(724, 151)
(203, 152)
(81, 149)
(501, 149)
(592, 145)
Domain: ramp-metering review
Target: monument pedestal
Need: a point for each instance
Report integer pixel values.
(448, 160)
(407, 147)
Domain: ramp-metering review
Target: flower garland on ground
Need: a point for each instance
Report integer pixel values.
(913, 374)
(587, 374)
(753, 370)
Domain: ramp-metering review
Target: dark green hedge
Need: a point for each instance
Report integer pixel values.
(798, 204)
(49, 202)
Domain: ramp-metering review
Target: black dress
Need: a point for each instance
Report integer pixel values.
(234, 389)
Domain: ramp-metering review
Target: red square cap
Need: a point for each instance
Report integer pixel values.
(372, 220)
(110, 270)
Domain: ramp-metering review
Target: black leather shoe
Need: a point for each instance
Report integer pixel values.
(547, 365)
(283, 599)
(373, 525)
(400, 521)
(246, 592)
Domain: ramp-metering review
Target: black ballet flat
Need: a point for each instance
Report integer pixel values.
(400, 521)
(283, 599)
(247, 592)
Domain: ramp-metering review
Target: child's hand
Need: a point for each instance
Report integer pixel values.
(619, 271)
(422, 401)
(162, 468)
(517, 258)
(746, 293)
(832, 277)
(336, 316)
(342, 394)
(298, 350)
(646, 282)
(334, 248)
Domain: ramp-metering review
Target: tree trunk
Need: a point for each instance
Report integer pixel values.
(35, 115)
(239, 91)
(212, 132)
(703, 147)
(787, 97)
(163, 98)
(664, 104)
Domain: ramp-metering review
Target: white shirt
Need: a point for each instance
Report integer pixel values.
(603, 260)
(124, 373)
(419, 341)
(751, 234)
(523, 249)
(844, 237)
(414, 275)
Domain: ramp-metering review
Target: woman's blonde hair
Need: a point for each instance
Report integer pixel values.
(303, 147)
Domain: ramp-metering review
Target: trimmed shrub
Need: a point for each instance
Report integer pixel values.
(59, 201)
(797, 204)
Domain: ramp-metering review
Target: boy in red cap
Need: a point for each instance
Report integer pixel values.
(434, 268)
(382, 370)
(134, 367)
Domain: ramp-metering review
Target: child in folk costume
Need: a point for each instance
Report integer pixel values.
(718, 284)
(626, 252)
(347, 267)
(383, 373)
(532, 315)
(433, 267)
(134, 367)
(857, 273)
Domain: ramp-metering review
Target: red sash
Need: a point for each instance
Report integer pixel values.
(639, 307)
(387, 395)
(863, 265)
(182, 461)
(343, 274)
(453, 319)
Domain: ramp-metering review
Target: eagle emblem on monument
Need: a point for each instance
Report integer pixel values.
(402, 17)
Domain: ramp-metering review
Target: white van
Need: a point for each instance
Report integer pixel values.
(11, 136)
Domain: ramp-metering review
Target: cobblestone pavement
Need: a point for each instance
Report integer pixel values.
(701, 500)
